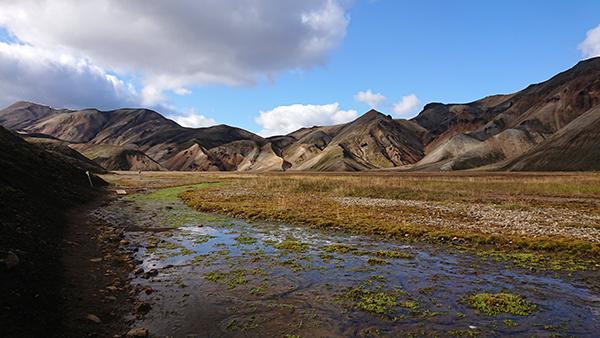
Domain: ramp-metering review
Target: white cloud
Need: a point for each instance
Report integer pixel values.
(369, 98)
(172, 45)
(285, 119)
(407, 104)
(182, 91)
(59, 80)
(590, 47)
(192, 119)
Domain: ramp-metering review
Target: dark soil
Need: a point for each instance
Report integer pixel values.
(92, 286)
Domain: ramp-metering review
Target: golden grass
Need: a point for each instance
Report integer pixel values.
(309, 199)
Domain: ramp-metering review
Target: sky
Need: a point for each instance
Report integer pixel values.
(273, 66)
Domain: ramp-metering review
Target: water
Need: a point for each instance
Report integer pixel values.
(210, 284)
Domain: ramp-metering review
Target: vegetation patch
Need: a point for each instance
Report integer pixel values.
(393, 254)
(377, 261)
(536, 260)
(375, 301)
(291, 245)
(495, 303)
(169, 194)
(245, 240)
(340, 248)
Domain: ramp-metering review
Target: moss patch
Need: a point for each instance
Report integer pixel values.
(375, 301)
(291, 245)
(495, 303)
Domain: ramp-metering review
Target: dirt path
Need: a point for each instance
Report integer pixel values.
(95, 293)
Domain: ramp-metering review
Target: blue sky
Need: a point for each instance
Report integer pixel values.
(440, 51)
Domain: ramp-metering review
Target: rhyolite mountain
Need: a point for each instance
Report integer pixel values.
(553, 125)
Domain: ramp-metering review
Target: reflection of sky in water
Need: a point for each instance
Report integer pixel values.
(450, 276)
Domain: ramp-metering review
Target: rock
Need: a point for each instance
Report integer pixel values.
(152, 272)
(138, 332)
(112, 288)
(11, 260)
(148, 291)
(124, 242)
(96, 260)
(93, 318)
(138, 271)
(142, 308)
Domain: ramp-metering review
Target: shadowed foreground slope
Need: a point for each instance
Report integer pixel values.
(36, 186)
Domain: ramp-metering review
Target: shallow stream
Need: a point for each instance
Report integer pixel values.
(213, 276)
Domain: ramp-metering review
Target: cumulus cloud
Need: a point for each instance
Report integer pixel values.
(285, 119)
(59, 80)
(171, 45)
(407, 104)
(369, 98)
(192, 119)
(590, 47)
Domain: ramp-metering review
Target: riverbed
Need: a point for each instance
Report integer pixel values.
(206, 275)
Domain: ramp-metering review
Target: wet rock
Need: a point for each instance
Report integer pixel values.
(112, 288)
(93, 318)
(142, 308)
(148, 291)
(152, 273)
(138, 271)
(11, 260)
(124, 242)
(138, 332)
(96, 260)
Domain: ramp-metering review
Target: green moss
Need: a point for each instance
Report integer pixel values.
(214, 276)
(245, 240)
(169, 194)
(535, 260)
(393, 254)
(377, 261)
(510, 322)
(371, 301)
(409, 304)
(378, 278)
(291, 245)
(339, 248)
(496, 303)
(201, 239)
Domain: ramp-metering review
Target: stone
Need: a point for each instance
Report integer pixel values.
(142, 308)
(138, 332)
(11, 260)
(93, 318)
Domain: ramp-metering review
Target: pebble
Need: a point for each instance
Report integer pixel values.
(137, 332)
(93, 318)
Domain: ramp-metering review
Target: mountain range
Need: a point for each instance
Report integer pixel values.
(553, 125)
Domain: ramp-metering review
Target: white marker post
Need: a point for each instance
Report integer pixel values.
(89, 178)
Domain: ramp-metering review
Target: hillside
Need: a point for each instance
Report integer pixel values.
(502, 127)
(36, 187)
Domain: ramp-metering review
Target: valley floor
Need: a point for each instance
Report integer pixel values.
(371, 254)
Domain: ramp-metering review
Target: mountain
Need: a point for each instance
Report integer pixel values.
(532, 129)
(136, 139)
(499, 128)
(372, 141)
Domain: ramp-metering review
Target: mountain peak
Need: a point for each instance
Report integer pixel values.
(370, 116)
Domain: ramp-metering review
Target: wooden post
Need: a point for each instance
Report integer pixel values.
(89, 178)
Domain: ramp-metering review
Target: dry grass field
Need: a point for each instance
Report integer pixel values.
(525, 211)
